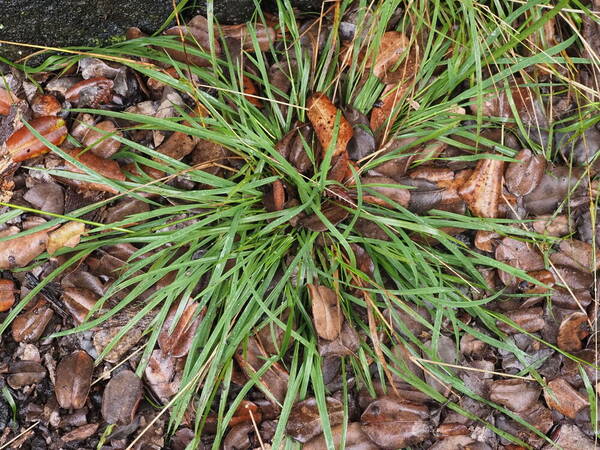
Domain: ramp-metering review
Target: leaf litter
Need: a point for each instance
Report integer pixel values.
(506, 361)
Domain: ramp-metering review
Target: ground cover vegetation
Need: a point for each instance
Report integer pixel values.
(372, 226)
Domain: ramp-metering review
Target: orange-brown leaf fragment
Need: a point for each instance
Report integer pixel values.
(7, 294)
(66, 236)
(251, 91)
(326, 312)
(7, 98)
(322, 115)
(106, 167)
(23, 145)
(482, 190)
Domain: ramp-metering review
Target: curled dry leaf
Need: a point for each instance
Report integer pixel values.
(7, 294)
(322, 115)
(121, 398)
(516, 395)
(355, 439)
(162, 375)
(20, 251)
(68, 235)
(92, 92)
(482, 190)
(23, 145)
(392, 423)
(387, 188)
(345, 344)
(327, 315)
(178, 342)
(572, 330)
(563, 398)
(304, 422)
(30, 325)
(73, 379)
(524, 176)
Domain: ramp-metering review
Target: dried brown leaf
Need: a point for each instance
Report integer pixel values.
(482, 190)
(326, 312)
(322, 115)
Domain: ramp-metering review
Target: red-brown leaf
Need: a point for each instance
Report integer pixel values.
(322, 115)
(7, 294)
(23, 145)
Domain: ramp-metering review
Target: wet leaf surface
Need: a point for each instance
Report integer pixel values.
(30, 325)
(23, 144)
(73, 380)
(516, 395)
(391, 423)
(24, 373)
(554, 186)
(121, 398)
(524, 176)
(323, 116)
(305, 422)
(355, 439)
(7, 294)
(185, 143)
(561, 397)
(386, 192)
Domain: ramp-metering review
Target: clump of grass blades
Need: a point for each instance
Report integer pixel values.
(244, 251)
